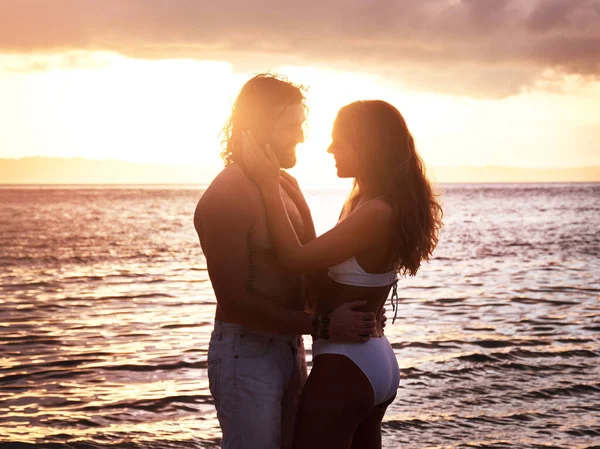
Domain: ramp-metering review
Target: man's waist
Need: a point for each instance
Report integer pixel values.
(288, 294)
(225, 328)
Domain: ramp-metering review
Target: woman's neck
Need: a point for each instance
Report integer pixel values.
(366, 192)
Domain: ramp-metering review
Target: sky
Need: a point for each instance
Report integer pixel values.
(480, 82)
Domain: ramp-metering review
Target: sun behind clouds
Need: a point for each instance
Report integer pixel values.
(102, 105)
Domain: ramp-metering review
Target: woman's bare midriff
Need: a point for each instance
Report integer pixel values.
(331, 294)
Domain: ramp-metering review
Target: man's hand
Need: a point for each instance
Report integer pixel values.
(347, 325)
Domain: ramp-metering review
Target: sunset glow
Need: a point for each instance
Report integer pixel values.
(130, 96)
(151, 297)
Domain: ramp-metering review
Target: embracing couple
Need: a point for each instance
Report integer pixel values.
(275, 280)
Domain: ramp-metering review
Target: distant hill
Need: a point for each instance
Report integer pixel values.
(514, 174)
(48, 170)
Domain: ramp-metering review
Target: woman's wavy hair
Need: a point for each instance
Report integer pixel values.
(386, 148)
(255, 109)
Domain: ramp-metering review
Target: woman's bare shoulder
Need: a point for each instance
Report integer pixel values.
(375, 209)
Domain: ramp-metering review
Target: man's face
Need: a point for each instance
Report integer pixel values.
(287, 133)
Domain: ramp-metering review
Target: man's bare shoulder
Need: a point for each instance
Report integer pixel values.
(230, 191)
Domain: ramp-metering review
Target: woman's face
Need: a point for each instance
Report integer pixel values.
(346, 158)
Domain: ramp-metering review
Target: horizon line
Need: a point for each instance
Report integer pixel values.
(187, 164)
(204, 185)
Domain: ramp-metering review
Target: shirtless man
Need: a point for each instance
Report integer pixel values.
(256, 361)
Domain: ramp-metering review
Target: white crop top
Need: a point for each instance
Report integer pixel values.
(349, 272)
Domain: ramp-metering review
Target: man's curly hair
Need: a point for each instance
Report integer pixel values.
(255, 110)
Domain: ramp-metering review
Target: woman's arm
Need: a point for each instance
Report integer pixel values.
(312, 279)
(290, 185)
(366, 227)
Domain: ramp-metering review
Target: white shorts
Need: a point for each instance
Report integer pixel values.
(375, 358)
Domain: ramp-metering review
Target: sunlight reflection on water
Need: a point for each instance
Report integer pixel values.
(106, 311)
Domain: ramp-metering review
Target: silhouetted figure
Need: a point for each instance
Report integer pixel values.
(388, 225)
(256, 360)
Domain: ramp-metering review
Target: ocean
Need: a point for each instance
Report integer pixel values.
(106, 311)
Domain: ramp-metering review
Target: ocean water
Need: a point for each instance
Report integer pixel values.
(106, 311)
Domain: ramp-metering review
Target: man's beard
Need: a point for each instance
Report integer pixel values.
(286, 156)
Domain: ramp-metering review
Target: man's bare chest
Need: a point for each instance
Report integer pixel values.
(259, 235)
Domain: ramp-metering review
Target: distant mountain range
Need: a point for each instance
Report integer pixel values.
(515, 174)
(49, 170)
(54, 170)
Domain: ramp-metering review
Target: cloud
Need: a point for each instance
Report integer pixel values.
(477, 47)
(73, 59)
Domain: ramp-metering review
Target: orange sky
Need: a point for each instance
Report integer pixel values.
(503, 82)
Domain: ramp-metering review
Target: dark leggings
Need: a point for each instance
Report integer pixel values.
(336, 407)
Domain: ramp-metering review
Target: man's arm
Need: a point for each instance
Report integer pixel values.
(223, 225)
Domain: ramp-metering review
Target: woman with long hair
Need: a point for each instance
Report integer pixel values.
(388, 225)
